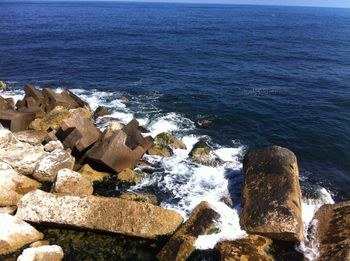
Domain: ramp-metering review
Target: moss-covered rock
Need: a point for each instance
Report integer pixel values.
(170, 140)
(160, 150)
(129, 177)
(3, 86)
(202, 153)
(140, 197)
(51, 120)
(93, 175)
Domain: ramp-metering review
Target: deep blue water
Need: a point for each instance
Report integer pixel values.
(264, 75)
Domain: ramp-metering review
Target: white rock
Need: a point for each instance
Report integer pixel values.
(15, 233)
(49, 165)
(42, 253)
(53, 145)
(13, 186)
(6, 138)
(72, 183)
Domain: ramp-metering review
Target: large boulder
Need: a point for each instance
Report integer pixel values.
(170, 140)
(181, 244)
(253, 247)
(42, 253)
(99, 213)
(333, 231)
(13, 186)
(51, 120)
(48, 167)
(101, 111)
(202, 153)
(15, 233)
(160, 150)
(72, 183)
(32, 137)
(271, 196)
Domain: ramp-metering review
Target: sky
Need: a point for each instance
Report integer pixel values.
(321, 3)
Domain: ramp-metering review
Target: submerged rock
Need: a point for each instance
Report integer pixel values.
(203, 154)
(42, 253)
(93, 175)
(333, 231)
(271, 196)
(99, 213)
(181, 245)
(160, 150)
(48, 166)
(15, 233)
(140, 197)
(51, 120)
(72, 183)
(101, 111)
(13, 186)
(165, 138)
(129, 177)
(252, 247)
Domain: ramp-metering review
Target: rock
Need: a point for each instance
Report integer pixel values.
(53, 145)
(121, 149)
(113, 127)
(160, 150)
(42, 253)
(181, 245)
(21, 156)
(82, 112)
(53, 100)
(101, 111)
(170, 140)
(72, 183)
(333, 231)
(3, 86)
(205, 123)
(228, 201)
(40, 243)
(129, 177)
(13, 186)
(140, 197)
(6, 104)
(93, 175)
(52, 120)
(48, 167)
(271, 196)
(252, 247)
(32, 137)
(203, 154)
(15, 233)
(8, 210)
(99, 213)
(6, 138)
(15, 120)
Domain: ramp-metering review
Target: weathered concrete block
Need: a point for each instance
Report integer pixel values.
(16, 121)
(99, 213)
(271, 196)
(53, 99)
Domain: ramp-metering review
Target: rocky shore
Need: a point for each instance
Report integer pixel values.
(53, 159)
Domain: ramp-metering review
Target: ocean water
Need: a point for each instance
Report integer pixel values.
(262, 75)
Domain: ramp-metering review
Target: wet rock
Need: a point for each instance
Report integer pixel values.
(21, 156)
(170, 140)
(8, 210)
(93, 175)
(101, 111)
(203, 154)
(121, 149)
(13, 186)
(140, 197)
(160, 150)
(32, 137)
(129, 177)
(52, 120)
(91, 212)
(181, 244)
(205, 123)
(271, 196)
(48, 167)
(333, 231)
(72, 183)
(252, 247)
(15, 233)
(3, 86)
(15, 120)
(53, 145)
(228, 201)
(42, 253)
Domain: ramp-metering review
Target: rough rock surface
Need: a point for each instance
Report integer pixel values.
(13, 186)
(51, 120)
(72, 183)
(42, 253)
(40, 243)
(49, 165)
(101, 111)
(130, 177)
(253, 247)
(8, 210)
(21, 156)
(99, 213)
(6, 138)
(93, 175)
(271, 196)
(32, 137)
(201, 153)
(53, 145)
(170, 140)
(15, 233)
(181, 245)
(140, 197)
(160, 150)
(333, 231)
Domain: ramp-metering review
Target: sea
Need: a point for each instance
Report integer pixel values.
(262, 75)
